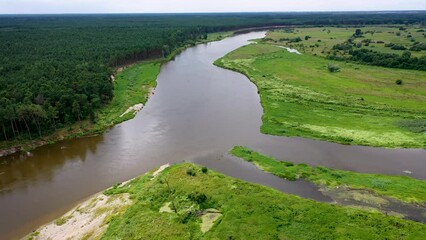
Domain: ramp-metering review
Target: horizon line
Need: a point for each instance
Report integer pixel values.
(230, 12)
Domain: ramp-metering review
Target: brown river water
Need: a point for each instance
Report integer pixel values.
(198, 113)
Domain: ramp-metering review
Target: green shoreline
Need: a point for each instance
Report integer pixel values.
(178, 202)
(109, 115)
(298, 105)
(401, 188)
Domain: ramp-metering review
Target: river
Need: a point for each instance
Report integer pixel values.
(197, 113)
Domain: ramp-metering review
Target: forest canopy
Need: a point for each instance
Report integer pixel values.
(56, 69)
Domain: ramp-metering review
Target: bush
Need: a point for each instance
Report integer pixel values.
(398, 82)
(198, 197)
(293, 40)
(398, 47)
(190, 171)
(343, 46)
(418, 47)
(358, 33)
(288, 164)
(204, 169)
(333, 68)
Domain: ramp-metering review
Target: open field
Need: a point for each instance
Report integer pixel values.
(320, 41)
(237, 210)
(402, 188)
(359, 104)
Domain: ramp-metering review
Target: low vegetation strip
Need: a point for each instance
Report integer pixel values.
(240, 210)
(356, 104)
(132, 86)
(402, 188)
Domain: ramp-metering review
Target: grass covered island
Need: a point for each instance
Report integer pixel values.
(343, 100)
(402, 188)
(186, 201)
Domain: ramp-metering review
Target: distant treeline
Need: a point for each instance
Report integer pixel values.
(55, 69)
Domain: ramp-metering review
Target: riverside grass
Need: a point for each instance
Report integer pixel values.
(359, 105)
(249, 211)
(402, 188)
(132, 86)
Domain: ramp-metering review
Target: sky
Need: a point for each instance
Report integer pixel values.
(179, 6)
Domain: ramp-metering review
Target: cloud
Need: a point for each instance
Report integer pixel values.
(160, 6)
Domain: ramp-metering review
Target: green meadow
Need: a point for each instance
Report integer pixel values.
(320, 41)
(242, 211)
(359, 104)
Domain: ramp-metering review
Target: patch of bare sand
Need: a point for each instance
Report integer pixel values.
(89, 220)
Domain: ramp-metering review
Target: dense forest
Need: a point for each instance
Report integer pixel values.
(56, 70)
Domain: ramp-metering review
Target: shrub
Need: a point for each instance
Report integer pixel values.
(358, 33)
(204, 169)
(418, 47)
(398, 82)
(343, 46)
(288, 164)
(398, 47)
(198, 197)
(333, 68)
(294, 40)
(190, 171)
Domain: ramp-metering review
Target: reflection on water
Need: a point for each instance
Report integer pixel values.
(197, 110)
(19, 169)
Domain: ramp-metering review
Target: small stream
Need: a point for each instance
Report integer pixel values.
(198, 113)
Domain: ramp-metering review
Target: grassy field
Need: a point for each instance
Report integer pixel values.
(402, 188)
(322, 40)
(360, 104)
(244, 211)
